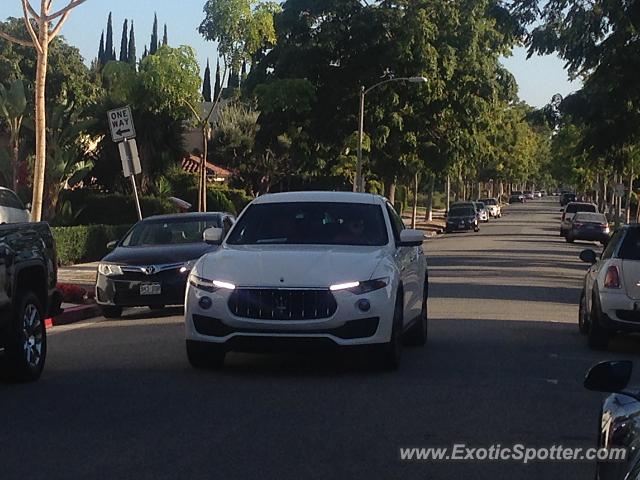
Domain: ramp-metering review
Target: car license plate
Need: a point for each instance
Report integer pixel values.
(150, 289)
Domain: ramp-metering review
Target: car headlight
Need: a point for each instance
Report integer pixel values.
(209, 285)
(359, 288)
(187, 267)
(109, 270)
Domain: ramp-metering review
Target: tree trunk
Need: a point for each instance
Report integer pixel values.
(392, 192)
(432, 187)
(41, 125)
(448, 192)
(414, 214)
(628, 203)
(15, 153)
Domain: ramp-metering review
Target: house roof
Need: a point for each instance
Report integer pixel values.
(191, 163)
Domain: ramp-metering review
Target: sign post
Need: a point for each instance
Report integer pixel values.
(123, 133)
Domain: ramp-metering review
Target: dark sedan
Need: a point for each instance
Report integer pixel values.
(589, 226)
(566, 198)
(462, 217)
(150, 265)
(619, 425)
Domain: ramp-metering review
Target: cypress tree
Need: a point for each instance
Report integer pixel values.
(109, 52)
(101, 50)
(218, 87)
(124, 42)
(153, 48)
(165, 37)
(206, 85)
(132, 46)
(145, 53)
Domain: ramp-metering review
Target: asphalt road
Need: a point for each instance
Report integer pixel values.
(504, 365)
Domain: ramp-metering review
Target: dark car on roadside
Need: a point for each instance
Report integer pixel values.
(28, 296)
(589, 226)
(516, 197)
(462, 216)
(619, 422)
(149, 267)
(566, 198)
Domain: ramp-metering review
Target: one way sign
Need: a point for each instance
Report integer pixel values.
(121, 124)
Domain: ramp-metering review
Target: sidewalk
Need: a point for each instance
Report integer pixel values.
(83, 276)
(431, 228)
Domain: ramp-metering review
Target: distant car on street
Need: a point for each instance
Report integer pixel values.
(570, 210)
(492, 206)
(537, 194)
(528, 195)
(462, 217)
(567, 197)
(150, 265)
(543, 193)
(11, 208)
(589, 226)
(516, 197)
(304, 270)
(483, 213)
(610, 300)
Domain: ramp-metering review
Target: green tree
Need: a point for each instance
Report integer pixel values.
(131, 50)
(13, 105)
(109, 49)
(153, 47)
(206, 84)
(124, 42)
(165, 36)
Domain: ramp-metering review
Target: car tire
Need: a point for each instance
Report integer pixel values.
(416, 336)
(583, 315)
(597, 336)
(204, 355)
(25, 356)
(390, 353)
(111, 311)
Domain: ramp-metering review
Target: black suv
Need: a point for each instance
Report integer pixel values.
(28, 295)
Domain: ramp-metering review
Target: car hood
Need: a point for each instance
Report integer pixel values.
(460, 217)
(290, 266)
(158, 254)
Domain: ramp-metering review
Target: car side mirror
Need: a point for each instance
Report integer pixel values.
(411, 238)
(588, 256)
(112, 244)
(213, 236)
(609, 377)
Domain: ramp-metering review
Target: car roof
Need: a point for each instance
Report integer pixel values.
(186, 216)
(319, 196)
(582, 203)
(590, 214)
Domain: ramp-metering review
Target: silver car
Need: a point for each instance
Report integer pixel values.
(11, 208)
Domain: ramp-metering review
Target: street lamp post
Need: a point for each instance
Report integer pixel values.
(358, 185)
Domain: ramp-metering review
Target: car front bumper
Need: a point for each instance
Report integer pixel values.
(121, 291)
(347, 326)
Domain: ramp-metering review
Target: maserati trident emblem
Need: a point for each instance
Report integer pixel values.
(150, 270)
(281, 304)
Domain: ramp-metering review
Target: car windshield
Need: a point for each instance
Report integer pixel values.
(580, 207)
(8, 199)
(480, 205)
(462, 212)
(169, 232)
(630, 248)
(311, 223)
(516, 193)
(489, 201)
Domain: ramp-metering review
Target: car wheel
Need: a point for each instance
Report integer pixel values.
(583, 315)
(203, 355)
(417, 335)
(111, 312)
(598, 336)
(390, 353)
(26, 350)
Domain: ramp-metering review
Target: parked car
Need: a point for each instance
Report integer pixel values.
(528, 195)
(516, 197)
(543, 193)
(483, 213)
(150, 265)
(462, 217)
(492, 206)
(610, 301)
(589, 226)
(537, 194)
(619, 422)
(28, 295)
(309, 269)
(570, 210)
(11, 208)
(567, 197)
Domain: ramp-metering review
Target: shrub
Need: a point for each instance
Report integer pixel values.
(87, 243)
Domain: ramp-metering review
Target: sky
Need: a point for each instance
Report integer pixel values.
(539, 78)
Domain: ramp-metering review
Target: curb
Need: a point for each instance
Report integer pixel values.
(74, 315)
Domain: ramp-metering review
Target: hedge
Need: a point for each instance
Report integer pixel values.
(86, 243)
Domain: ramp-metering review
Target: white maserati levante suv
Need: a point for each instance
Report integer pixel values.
(309, 269)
